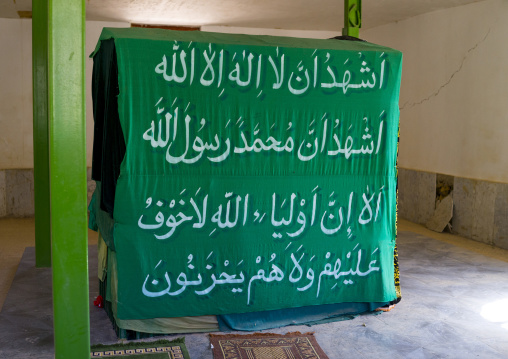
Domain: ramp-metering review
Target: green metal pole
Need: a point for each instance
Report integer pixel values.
(68, 178)
(41, 132)
(352, 18)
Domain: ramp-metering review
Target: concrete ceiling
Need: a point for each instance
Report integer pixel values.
(326, 15)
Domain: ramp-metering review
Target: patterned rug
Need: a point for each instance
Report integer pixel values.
(160, 349)
(266, 346)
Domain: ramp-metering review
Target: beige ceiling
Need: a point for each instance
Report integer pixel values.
(279, 14)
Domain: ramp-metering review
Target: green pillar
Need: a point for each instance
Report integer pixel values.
(352, 18)
(41, 132)
(68, 178)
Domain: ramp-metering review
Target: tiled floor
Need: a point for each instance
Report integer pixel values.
(455, 304)
(15, 235)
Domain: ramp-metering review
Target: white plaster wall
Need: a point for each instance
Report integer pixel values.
(16, 129)
(454, 94)
(16, 144)
(3, 199)
(273, 32)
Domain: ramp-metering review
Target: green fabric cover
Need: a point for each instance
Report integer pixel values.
(259, 172)
(310, 315)
(102, 258)
(207, 323)
(101, 219)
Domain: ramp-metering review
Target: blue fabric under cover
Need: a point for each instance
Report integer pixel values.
(294, 316)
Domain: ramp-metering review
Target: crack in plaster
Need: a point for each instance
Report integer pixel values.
(436, 93)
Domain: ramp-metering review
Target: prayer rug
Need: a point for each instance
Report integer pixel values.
(266, 346)
(160, 349)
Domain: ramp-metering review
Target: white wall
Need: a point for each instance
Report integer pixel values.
(16, 129)
(273, 32)
(16, 144)
(454, 95)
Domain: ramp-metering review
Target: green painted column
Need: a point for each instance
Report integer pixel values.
(352, 18)
(68, 178)
(41, 132)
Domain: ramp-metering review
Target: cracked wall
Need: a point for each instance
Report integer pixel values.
(454, 113)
